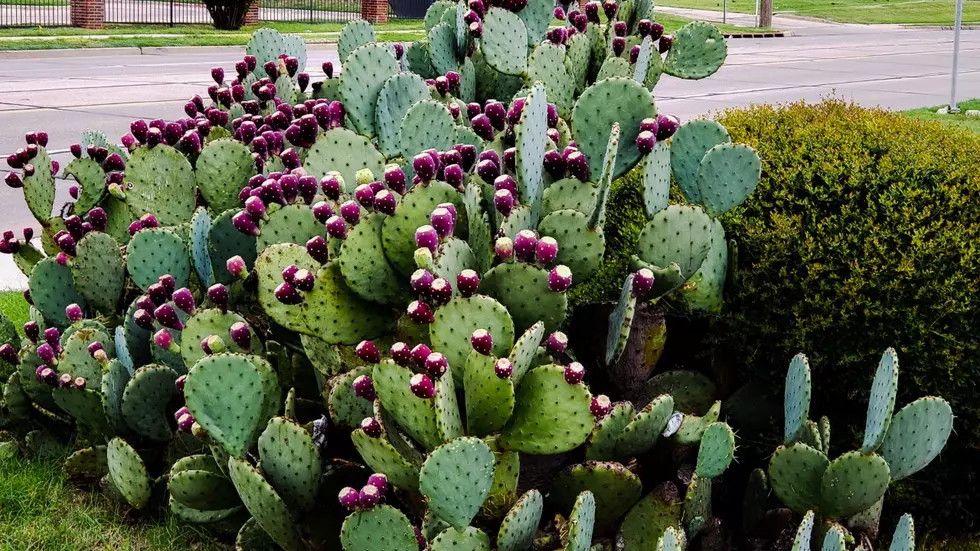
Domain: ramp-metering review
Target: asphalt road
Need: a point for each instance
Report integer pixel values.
(891, 67)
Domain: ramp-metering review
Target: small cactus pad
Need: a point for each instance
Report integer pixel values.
(606, 102)
(98, 271)
(727, 175)
(504, 43)
(456, 479)
(698, 51)
(648, 520)
(693, 393)
(550, 415)
(265, 45)
(204, 490)
(53, 289)
(598, 217)
(697, 503)
(796, 398)
(601, 445)
(620, 322)
(399, 93)
(834, 539)
(86, 406)
(525, 350)
(289, 224)
(678, 234)
(672, 540)
(75, 359)
(692, 140)
(382, 528)
(198, 516)
(614, 67)
(127, 473)
(804, 533)
(703, 291)
(222, 169)
(335, 314)
(547, 65)
(537, 16)
(904, 537)
(614, 487)
(269, 266)
(200, 255)
(466, 539)
(442, 48)
(87, 463)
(346, 408)
(251, 537)
(155, 252)
(355, 34)
(568, 193)
(417, 56)
(523, 290)
(265, 505)
(918, 432)
(478, 226)
(881, 403)
(205, 323)
(113, 385)
(39, 187)
(448, 419)
(579, 247)
(346, 152)
(656, 178)
(229, 395)
(519, 525)
(290, 462)
(717, 450)
(456, 321)
(795, 473)
(426, 125)
(641, 434)
(325, 357)
(365, 71)
(224, 242)
(578, 50)
(382, 457)
(415, 415)
(365, 267)
(532, 139)
(145, 399)
(398, 233)
(489, 399)
(436, 13)
(581, 522)
(161, 181)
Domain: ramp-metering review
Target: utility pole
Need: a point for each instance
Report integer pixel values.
(953, 108)
(765, 13)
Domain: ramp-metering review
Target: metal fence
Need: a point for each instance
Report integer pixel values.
(33, 13)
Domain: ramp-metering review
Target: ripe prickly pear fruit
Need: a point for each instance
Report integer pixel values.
(666, 126)
(167, 316)
(656, 31)
(505, 182)
(13, 180)
(504, 248)
(244, 223)
(619, 28)
(560, 279)
(645, 142)
(559, 13)
(9, 355)
(427, 237)
(665, 42)
(165, 340)
(255, 208)
(503, 368)
(32, 330)
(348, 497)
(419, 354)
(168, 281)
(424, 166)
(322, 211)
(419, 312)
(218, 74)
(649, 125)
(179, 384)
(525, 243)
(482, 341)
(236, 267)
(642, 282)
(503, 201)
(421, 281)
(453, 175)
(436, 364)
(327, 69)
(368, 351)
(143, 319)
(385, 202)
(395, 178)
(287, 294)
(184, 300)
(556, 344)
(336, 227)
(634, 54)
(574, 373)
(440, 292)
(497, 113)
(442, 222)
(364, 387)
(546, 251)
(371, 427)
(241, 335)
(53, 338)
(368, 497)
(488, 170)
(379, 481)
(212, 344)
(218, 295)
(554, 163)
(316, 247)
(510, 159)
(78, 383)
(93, 348)
(578, 165)
(476, 29)
(65, 380)
(467, 282)
(304, 280)
(482, 126)
(421, 386)
(592, 11)
(364, 195)
(442, 85)
(601, 406)
(292, 65)
(73, 312)
(48, 376)
(399, 50)
(618, 45)
(401, 353)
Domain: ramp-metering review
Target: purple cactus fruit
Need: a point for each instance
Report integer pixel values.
(143, 319)
(525, 243)
(73, 190)
(179, 385)
(645, 142)
(556, 344)
(649, 125)
(497, 113)
(307, 188)
(184, 300)
(351, 212)
(453, 175)
(379, 481)
(644, 27)
(218, 295)
(559, 13)
(317, 248)
(482, 126)
(290, 158)
(368, 351)
(241, 335)
(601, 406)
(190, 109)
(440, 292)
(574, 373)
(503, 368)
(13, 180)
(46, 353)
(618, 45)
(399, 50)
(557, 36)
(560, 278)
(665, 42)
(436, 364)
(421, 386)
(322, 211)
(32, 330)
(420, 312)
(610, 8)
(337, 113)
(47, 376)
(371, 427)
(164, 339)
(67, 244)
(666, 126)
(592, 11)
(656, 31)
(349, 498)
(488, 170)
(504, 248)
(271, 68)
(364, 195)
(554, 163)
(53, 337)
(503, 201)
(476, 29)
(481, 341)
(78, 383)
(9, 355)
(427, 237)
(74, 313)
(577, 165)
(167, 317)
(304, 280)
(327, 69)
(363, 387)
(442, 85)
(287, 294)
(368, 497)
(336, 227)
(510, 159)
(424, 166)
(634, 54)
(546, 250)
(13, 160)
(292, 65)
(395, 178)
(236, 267)
(65, 381)
(218, 74)
(467, 282)
(619, 28)
(642, 282)
(331, 186)
(385, 202)
(401, 353)
(244, 223)
(443, 223)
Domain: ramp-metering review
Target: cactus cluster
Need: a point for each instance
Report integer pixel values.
(330, 314)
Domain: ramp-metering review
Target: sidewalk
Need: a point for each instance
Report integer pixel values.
(798, 25)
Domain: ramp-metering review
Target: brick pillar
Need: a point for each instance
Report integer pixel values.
(252, 15)
(375, 11)
(88, 14)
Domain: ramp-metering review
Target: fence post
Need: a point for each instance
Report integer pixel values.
(375, 11)
(252, 15)
(88, 14)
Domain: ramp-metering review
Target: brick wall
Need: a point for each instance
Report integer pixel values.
(252, 16)
(88, 14)
(375, 11)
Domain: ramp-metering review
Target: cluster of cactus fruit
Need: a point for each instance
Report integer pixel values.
(334, 318)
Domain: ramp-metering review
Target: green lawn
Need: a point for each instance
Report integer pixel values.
(961, 120)
(13, 305)
(197, 30)
(932, 12)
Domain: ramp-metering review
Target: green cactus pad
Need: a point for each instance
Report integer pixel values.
(620, 322)
(427, 125)
(688, 146)
(197, 516)
(697, 503)
(75, 359)
(203, 490)
(692, 427)
(128, 473)
(53, 289)
(616, 67)
(269, 266)
(198, 462)
(727, 175)
(455, 322)
(295, 46)
(290, 462)
(223, 169)
(755, 500)
(703, 291)
(324, 356)
(852, 483)
(466, 539)
(881, 403)
(382, 528)
(442, 48)
(436, 12)
(224, 242)
(489, 399)
(504, 43)
(614, 487)
(417, 56)
(467, 76)
(648, 520)
(811, 436)
(698, 51)
(525, 350)
(478, 227)
(904, 536)
(598, 217)
(918, 432)
(796, 398)
(87, 463)
(398, 94)
(641, 434)
(355, 34)
(346, 408)
(251, 537)
(717, 450)
(547, 64)
(289, 224)
(199, 237)
(160, 181)
(456, 478)
(264, 504)
(26, 257)
(601, 445)
(229, 396)
(265, 45)
(568, 193)
(519, 525)
(642, 65)
(346, 152)
(98, 271)
(335, 314)
(519, 219)
(398, 233)
(16, 402)
(145, 399)
(531, 138)
(679, 234)
(155, 252)
(366, 269)
(550, 416)
(537, 16)
(365, 71)
(90, 176)
(432, 525)
(39, 187)
(448, 420)
(578, 50)
(579, 248)
(795, 474)
(834, 539)
(824, 427)
(581, 523)
(415, 415)
(382, 457)
(606, 102)
(523, 290)
(113, 384)
(205, 323)
(465, 135)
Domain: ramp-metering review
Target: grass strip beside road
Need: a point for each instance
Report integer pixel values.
(961, 120)
(914, 12)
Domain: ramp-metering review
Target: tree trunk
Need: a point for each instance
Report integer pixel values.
(765, 13)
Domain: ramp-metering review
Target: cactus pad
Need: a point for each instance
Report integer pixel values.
(455, 322)
(796, 398)
(335, 314)
(916, 435)
(265, 45)
(39, 187)
(550, 415)
(478, 226)
(717, 450)
(532, 139)
(200, 256)
(289, 224)
(75, 359)
(614, 487)
(205, 323)
(205, 490)
(466, 539)
(355, 34)
(519, 525)
(160, 181)
(656, 178)
(398, 233)
(578, 50)
(223, 169)
(795, 473)
(525, 350)
(155, 252)
(365, 71)
(727, 175)
(698, 51)
(269, 266)
(365, 267)
(620, 322)
(448, 419)
(442, 48)
(547, 65)
(382, 457)
(427, 124)
(145, 399)
(688, 146)
(88, 463)
(382, 528)
(87, 407)
(290, 462)
(881, 403)
(601, 445)
(697, 503)
(251, 537)
(346, 408)
(90, 176)
(415, 415)
(537, 16)
(692, 427)
(648, 520)
(436, 12)
(224, 242)
(581, 522)
(198, 516)
(641, 434)
(399, 93)
(678, 234)
(456, 478)
(523, 290)
(489, 399)
(568, 193)
(579, 247)
(606, 102)
(614, 67)
(504, 43)
(264, 504)
(904, 537)
(852, 483)
(53, 289)
(346, 152)
(128, 473)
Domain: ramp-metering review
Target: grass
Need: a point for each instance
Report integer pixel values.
(200, 30)
(673, 22)
(960, 120)
(926, 12)
(13, 305)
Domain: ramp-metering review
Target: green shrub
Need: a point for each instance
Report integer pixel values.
(864, 234)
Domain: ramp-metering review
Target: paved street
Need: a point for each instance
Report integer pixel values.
(888, 66)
